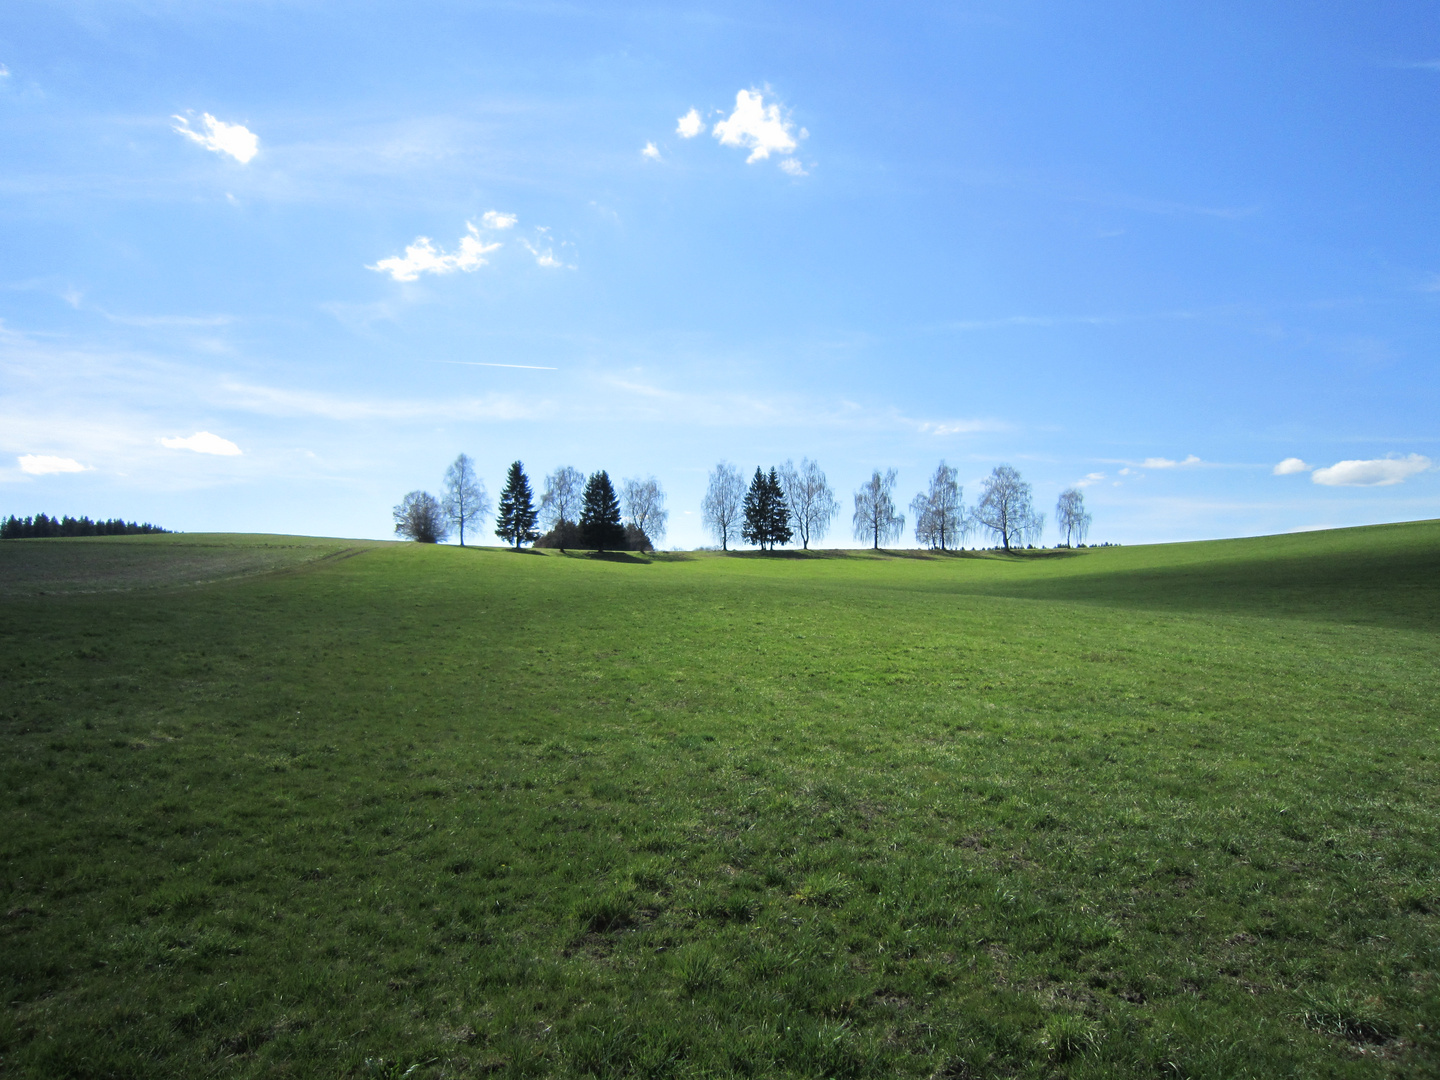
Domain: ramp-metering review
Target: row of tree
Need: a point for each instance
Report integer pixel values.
(798, 503)
(777, 507)
(42, 526)
(574, 511)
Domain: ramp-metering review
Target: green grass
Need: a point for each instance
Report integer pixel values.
(393, 810)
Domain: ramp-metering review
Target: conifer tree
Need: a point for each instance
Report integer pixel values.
(779, 510)
(600, 526)
(515, 523)
(756, 527)
(767, 515)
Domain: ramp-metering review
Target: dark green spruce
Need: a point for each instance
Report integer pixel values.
(515, 523)
(767, 516)
(600, 526)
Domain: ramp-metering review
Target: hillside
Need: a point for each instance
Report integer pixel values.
(322, 807)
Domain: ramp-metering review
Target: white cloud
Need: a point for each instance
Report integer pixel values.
(545, 258)
(1377, 472)
(234, 139)
(203, 442)
(1290, 465)
(1090, 478)
(422, 257)
(793, 167)
(4, 72)
(44, 464)
(959, 427)
(760, 128)
(494, 219)
(276, 401)
(690, 125)
(651, 152)
(1166, 463)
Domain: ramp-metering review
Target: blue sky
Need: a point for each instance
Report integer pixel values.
(1156, 250)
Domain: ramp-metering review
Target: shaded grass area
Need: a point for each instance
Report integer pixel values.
(444, 813)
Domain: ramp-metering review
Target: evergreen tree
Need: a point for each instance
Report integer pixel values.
(779, 509)
(767, 514)
(515, 523)
(600, 526)
(757, 511)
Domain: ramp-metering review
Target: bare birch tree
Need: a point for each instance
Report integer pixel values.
(465, 500)
(1071, 517)
(939, 512)
(564, 493)
(644, 505)
(1006, 509)
(811, 503)
(724, 504)
(875, 517)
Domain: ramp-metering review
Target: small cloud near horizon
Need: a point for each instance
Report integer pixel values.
(1375, 472)
(203, 442)
(46, 464)
(237, 140)
(1290, 465)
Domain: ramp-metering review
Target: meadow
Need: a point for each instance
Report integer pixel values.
(285, 807)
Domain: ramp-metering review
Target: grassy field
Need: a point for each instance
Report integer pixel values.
(280, 807)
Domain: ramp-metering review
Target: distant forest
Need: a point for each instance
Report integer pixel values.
(42, 526)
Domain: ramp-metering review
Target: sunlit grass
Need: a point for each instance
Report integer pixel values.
(1126, 812)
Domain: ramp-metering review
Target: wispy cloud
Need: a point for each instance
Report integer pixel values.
(203, 442)
(422, 257)
(1090, 479)
(690, 125)
(189, 322)
(1167, 463)
(546, 257)
(959, 427)
(276, 401)
(1290, 466)
(482, 363)
(793, 167)
(237, 140)
(1031, 320)
(4, 72)
(1376, 472)
(760, 128)
(494, 219)
(651, 152)
(45, 464)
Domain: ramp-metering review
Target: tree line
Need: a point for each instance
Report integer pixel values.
(779, 506)
(42, 526)
(574, 511)
(798, 503)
